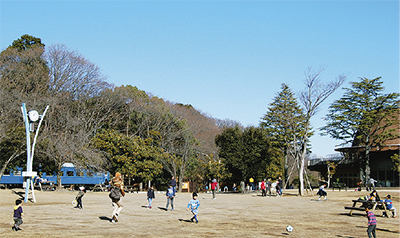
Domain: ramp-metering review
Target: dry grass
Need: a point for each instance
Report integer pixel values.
(230, 215)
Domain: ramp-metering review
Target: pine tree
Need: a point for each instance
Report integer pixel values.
(364, 117)
(283, 123)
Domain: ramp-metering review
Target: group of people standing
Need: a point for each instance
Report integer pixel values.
(266, 186)
(171, 192)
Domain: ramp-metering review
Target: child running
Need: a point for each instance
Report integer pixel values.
(18, 214)
(321, 192)
(194, 205)
(371, 222)
(78, 198)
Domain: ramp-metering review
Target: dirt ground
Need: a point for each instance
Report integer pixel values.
(230, 215)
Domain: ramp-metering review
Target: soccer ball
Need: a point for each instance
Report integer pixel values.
(289, 228)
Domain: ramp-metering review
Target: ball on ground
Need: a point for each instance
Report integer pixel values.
(289, 228)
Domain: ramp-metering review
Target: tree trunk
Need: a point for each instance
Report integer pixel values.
(361, 168)
(179, 182)
(15, 155)
(367, 172)
(329, 182)
(59, 185)
(329, 176)
(286, 168)
(301, 167)
(301, 178)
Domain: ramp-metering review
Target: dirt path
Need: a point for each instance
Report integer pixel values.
(230, 215)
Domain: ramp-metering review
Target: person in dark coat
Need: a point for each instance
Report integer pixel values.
(150, 196)
(172, 182)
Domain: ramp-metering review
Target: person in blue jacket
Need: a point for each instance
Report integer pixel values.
(389, 206)
(194, 205)
(170, 197)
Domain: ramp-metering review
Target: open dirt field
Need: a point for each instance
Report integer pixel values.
(230, 215)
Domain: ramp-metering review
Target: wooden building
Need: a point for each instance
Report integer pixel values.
(381, 164)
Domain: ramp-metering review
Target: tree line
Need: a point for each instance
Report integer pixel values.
(96, 125)
(93, 124)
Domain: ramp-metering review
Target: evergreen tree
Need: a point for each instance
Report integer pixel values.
(249, 153)
(231, 150)
(26, 42)
(283, 123)
(364, 117)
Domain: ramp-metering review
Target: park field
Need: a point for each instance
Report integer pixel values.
(230, 215)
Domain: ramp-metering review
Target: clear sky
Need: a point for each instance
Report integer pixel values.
(227, 59)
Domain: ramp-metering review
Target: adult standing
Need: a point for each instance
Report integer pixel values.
(269, 185)
(263, 193)
(371, 184)
(251, 180)
(117, 189)
(172, 182)
(280, 186)
(214, 186)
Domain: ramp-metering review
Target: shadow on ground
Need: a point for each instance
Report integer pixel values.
(21, 195)
(380, 229)
(104, 218)
(184, 220)
(163, 208)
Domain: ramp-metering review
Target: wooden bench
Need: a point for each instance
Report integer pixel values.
(355, 208)
(131, 188)
(376, 205)
(339, 186)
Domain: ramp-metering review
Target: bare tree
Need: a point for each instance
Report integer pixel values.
(77, 109)
(314, 93)
(199, 136)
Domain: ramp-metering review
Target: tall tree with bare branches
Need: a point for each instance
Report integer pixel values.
(77, 108)
(314, 93)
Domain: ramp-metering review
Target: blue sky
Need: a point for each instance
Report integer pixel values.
(226, 58)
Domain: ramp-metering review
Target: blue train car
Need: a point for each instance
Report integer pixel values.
(70, 176)
(15, 177)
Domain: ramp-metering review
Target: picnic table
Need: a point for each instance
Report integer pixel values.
(375, 205)
(47, 185)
